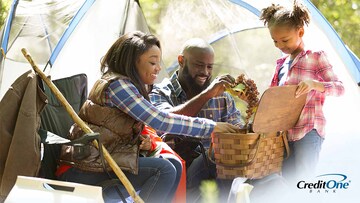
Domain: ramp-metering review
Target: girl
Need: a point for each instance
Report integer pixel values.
(313, 74)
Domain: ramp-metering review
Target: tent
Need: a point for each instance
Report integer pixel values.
(70, 37)
(54, 34)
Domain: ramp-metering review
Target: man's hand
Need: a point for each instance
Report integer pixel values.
(217, 86)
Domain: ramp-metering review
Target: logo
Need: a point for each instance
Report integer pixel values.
(326, 183)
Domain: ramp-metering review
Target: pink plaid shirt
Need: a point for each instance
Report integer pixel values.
(315, 66)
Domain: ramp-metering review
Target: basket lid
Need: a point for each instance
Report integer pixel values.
(278, 109)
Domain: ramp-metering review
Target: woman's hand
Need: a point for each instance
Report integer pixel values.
(307, 85)
(145, 142)
(225, 128)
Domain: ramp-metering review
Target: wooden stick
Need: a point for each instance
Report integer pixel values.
(84, 127)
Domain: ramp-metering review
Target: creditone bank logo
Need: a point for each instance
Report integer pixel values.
(326, 183)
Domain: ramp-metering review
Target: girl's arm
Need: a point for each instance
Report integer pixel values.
(328, 80)
(332, 85)
(308, 85)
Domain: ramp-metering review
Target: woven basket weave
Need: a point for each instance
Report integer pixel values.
(249, 155)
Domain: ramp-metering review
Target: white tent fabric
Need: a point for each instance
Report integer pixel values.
(49, 26)
(36, 26)
(242, 45)
(85, 47)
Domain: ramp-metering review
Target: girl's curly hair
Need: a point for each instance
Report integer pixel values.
(296, 17)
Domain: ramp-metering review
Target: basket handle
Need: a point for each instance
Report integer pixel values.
(286, 144)
(261, 137)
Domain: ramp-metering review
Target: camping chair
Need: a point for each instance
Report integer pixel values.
(56, 120)
(21, 108)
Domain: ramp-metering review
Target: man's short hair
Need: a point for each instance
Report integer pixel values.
(196, 43)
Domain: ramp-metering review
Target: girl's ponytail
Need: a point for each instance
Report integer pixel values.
(267, 14)
(300, 14)
(296, 17)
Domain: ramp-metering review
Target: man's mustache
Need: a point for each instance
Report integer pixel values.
(208, 76)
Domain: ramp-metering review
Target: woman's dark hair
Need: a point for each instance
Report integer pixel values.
(122, 56)
(296, 17)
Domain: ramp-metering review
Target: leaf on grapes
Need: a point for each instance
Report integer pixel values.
(240, 87)
(235, 91)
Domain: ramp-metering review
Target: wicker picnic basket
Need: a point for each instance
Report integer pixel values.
(256, 155)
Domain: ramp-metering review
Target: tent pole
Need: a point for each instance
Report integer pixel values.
(84, 127)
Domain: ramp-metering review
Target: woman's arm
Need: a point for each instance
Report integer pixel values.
(124, 95)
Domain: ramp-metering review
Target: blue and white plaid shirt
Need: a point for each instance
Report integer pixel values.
(169, 93)
(125, 96)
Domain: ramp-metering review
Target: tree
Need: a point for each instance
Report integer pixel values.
(344, 16)
(152, 10)
(4, 6)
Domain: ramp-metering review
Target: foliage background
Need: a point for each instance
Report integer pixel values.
(343, 15)
(4, 6)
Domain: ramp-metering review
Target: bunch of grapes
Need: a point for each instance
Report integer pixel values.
(251, 96)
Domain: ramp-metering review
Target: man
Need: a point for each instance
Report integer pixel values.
(189, 91)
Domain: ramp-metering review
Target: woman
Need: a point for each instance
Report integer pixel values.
(118, 107)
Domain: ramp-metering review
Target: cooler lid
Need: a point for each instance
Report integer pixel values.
(278, 109)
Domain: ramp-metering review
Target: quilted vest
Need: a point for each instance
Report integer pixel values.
(119, 133)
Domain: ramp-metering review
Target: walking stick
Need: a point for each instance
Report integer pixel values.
(84, 127)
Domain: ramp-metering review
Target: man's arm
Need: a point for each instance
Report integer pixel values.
(162, 97)
(163, 100)
(193, 106)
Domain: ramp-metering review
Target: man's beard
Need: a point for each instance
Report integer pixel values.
(190, 81)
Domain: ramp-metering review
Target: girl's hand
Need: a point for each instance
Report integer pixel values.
(306, 86)
(145, 142)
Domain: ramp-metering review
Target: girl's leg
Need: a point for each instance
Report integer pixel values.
(288, 168)
(304, 156)
(306, 153)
